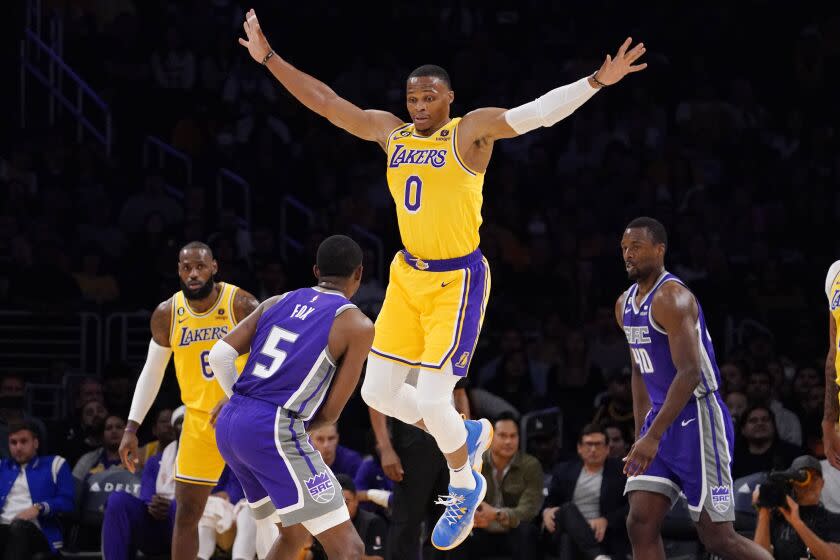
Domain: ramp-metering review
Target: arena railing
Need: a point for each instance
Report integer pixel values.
(34, 53)
(225, 179)
(168, 157)
(127, 337)
(31, 343)
(293, 210)
(364, 235)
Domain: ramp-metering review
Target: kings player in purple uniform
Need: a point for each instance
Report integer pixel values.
(684, 436)
(307, 348)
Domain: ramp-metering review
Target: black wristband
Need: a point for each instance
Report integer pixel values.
(600, 84)
(270, 54)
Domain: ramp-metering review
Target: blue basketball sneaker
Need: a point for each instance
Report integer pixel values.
(457, 521)
(479, 437)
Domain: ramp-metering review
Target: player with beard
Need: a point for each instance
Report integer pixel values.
(187, 325)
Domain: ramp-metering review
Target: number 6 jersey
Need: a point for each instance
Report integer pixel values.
(191, 337)
(651, 351)
(290, 364)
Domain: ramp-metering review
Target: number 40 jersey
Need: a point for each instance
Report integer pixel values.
(290, 363)
(652, 352)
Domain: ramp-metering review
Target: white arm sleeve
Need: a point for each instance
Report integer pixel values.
(830, 278)
(550, 108)
(223, 363)
(148, 384)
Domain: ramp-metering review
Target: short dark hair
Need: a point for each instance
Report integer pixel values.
(507, 415)
(655, 228)
(346, 482)
(338, 255)
(198, 245)
(757, 406)
(593, 429)
(432, 71)
(16, 427)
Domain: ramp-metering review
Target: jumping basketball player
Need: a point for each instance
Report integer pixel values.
(684, 435)
(440, 283)
(187, 325)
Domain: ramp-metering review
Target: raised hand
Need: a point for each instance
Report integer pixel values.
(613, 69)
(256, 43)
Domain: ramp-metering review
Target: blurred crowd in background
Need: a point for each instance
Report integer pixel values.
(733, 148)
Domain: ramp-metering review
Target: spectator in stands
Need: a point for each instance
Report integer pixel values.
(815, 530)
(617, 440)
(617, 406)
(512, 381)
(152, 200)
(88, 389)
(759, 392)
(733, 377)
(174, 65)
(87, 436)
(337, 457)
(737, 403)
(97, 285)
(104, 457)
(163, 432)
(12, 388)
(145, 523)
(586, 507)
(504, 520)
(371, 528)
(33, 491)
(373, 488)
(760, 448)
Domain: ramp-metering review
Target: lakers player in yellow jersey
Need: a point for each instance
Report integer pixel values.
(831, 437)
(439, 283)
(186, 326)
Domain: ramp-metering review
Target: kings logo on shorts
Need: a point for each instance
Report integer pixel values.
(321, 488)
(721, 498)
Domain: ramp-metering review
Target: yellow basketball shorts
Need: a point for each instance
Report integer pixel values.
(433, 311)
(198, 460)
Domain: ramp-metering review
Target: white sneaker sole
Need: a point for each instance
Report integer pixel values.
(465, 532)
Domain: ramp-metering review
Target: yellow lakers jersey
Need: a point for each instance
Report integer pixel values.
(191, 337)
(832, 291)
(438, 197)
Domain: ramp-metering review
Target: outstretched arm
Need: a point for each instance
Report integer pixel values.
(316, 95)
(675, 309)
(489, 124)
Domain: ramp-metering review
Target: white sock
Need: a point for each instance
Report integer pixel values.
(462, 477)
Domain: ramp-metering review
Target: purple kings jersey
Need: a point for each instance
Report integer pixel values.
(290, 365)
(652, 352)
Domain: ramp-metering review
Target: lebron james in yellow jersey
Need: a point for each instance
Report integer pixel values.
(439, 283)
(186, 326)
(831, 437)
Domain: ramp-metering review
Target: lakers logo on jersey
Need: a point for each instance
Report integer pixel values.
(438, 197)
(463, 360)
(191, 337)
(835, 300)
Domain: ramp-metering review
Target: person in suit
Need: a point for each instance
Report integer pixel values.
(586, 507)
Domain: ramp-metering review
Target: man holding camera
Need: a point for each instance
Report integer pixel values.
(795, 527)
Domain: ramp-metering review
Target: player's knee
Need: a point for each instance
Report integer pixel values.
(355, 548)
(641, 527)
(720, 540)
(188, 512)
